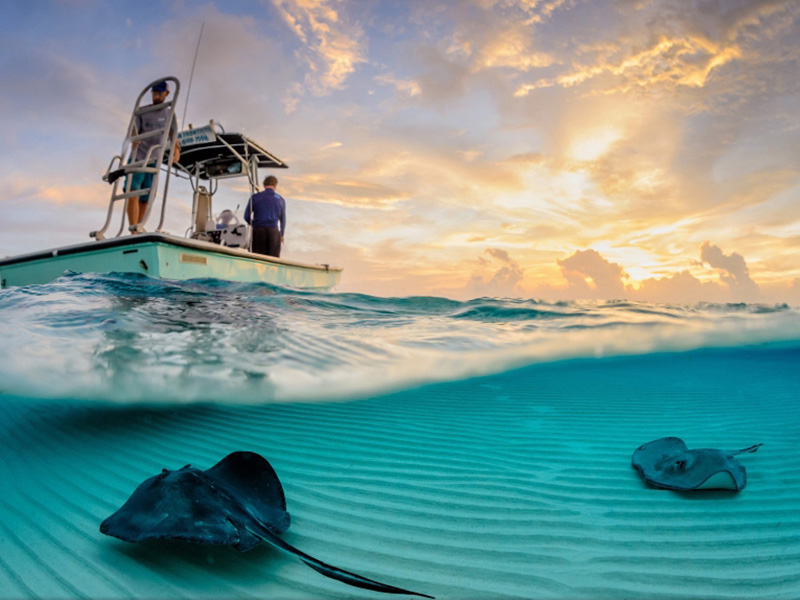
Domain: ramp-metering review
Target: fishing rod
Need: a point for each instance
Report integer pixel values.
(191, 76)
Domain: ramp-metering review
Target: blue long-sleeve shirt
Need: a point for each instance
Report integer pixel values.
(270, 210)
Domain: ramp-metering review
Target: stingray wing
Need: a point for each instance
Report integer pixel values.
(652, 452)
(331, 571)
(250, 479)
(181, 505)
(647, 456)
(715, 469)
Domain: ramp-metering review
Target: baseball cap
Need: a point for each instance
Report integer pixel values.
(161, 86)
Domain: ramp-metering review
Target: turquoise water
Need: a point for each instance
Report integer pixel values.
(475, 449)
(123, 337)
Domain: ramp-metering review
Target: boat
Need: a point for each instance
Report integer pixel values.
(210, 247)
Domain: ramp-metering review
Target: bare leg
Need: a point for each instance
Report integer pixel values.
(133, 211)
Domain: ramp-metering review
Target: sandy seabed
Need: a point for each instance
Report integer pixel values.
(513, 485)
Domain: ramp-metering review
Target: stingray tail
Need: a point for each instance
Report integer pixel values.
(748, 450)
(331, 571)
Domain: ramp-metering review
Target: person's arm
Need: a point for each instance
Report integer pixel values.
(176, 152)
(283, 219)
(247, 211)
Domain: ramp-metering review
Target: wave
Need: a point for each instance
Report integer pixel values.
(131, 338)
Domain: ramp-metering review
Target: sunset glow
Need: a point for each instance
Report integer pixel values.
(558, 149)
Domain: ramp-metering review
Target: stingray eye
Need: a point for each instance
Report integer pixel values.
(164, 473)
(681, 464)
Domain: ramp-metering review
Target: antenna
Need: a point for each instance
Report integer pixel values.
(194, 62)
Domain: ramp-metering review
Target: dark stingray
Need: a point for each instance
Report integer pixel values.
(668, 463)
(237, 502)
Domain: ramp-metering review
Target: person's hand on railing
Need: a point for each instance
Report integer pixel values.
(111, 176)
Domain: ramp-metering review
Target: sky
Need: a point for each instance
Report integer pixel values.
(646, 150)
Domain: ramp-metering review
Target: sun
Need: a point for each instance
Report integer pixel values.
(591, 145)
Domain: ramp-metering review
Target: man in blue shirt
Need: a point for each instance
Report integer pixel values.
(266, 212)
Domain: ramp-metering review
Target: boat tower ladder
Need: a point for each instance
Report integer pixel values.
(118, 170)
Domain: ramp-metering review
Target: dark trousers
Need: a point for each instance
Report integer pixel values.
(267, 240)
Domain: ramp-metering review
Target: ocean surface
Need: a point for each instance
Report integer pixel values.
(128, 337)
(477, 449)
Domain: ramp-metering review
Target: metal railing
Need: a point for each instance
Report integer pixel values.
(119, 170)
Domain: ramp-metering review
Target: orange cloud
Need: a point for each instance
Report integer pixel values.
(359, 192)
(334, 46)
(512, 48)
(589, 275)
(733, 271)
(669, 62)
(498, 276)
(404, 86)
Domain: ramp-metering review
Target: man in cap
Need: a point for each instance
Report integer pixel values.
(149, 121)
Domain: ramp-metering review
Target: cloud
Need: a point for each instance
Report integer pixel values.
(408, 87)
(51, 92)
(359, 191)
(680, 288)
(734, 285)
(443, 78)
(475, 44)
(380, 166)
(498, 275)
(794, 291)
(665, 123)
(668, 61)
(589, 275)
(51, 214)
(733, 271)
(667, 44)
(508, 39)
(239, 70)
(333, 45)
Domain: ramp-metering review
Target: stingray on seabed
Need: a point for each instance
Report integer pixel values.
(238, 502)
(668, 463)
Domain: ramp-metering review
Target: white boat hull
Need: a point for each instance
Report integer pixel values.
(167, 257)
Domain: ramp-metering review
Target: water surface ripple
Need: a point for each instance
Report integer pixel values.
(127, 337)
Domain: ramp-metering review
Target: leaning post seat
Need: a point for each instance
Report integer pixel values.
(203, 219)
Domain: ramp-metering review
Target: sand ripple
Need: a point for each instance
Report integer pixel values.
(515, 485)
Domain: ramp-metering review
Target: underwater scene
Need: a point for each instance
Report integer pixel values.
(229, 436)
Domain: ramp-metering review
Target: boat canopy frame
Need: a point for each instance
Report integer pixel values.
(210, 154)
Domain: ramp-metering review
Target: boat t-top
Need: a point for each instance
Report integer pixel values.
(210, 247)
